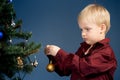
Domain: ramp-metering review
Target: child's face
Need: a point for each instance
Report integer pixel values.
(91, 33)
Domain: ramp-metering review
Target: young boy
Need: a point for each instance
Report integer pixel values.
(95, 59)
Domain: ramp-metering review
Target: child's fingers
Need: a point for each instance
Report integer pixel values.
(47, 50)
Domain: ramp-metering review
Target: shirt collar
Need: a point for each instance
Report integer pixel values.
(102, 42)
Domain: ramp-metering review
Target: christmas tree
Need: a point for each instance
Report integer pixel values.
(15, 49)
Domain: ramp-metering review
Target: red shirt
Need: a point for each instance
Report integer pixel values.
(98, 64)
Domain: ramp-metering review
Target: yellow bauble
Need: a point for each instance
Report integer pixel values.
(50, 67)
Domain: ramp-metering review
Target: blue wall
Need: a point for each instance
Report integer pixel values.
(55, 22)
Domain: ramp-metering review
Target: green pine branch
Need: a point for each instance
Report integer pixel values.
(9, 51)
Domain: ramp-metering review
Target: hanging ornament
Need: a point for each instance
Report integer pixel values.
(35, 63)
(19, 62)
(1, 35)
(9, 1)
(13, 23)
(10, 40)
(50, 67)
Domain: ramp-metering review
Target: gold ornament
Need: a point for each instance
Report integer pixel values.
(19, 62)
(50, 67)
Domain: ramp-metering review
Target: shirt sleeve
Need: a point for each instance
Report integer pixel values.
(65, 63)
(99, 62)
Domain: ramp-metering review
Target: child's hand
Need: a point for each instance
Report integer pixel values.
(51, 50)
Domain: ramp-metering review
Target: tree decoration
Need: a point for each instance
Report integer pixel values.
(1, 35)
(15, 49)
(13, 23)
(50, 67)
(19, 62)
(35, 63)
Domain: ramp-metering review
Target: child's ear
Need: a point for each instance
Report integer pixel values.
(103, 28)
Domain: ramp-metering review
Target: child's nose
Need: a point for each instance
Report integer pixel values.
(83, 34)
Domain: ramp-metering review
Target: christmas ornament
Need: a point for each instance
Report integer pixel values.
(35, 63)
(50, 67)
(1, 35)
(10, 40)
(19, 62)
(9, 0)
(13, 23)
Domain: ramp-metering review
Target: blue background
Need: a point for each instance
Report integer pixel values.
(55, 22)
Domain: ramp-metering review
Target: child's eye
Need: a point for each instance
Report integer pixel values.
(88, 29)
(81, 30)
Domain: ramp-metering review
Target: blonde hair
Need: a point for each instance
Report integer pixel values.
(97, 14)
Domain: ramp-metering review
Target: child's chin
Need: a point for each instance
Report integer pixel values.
(88, 43)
